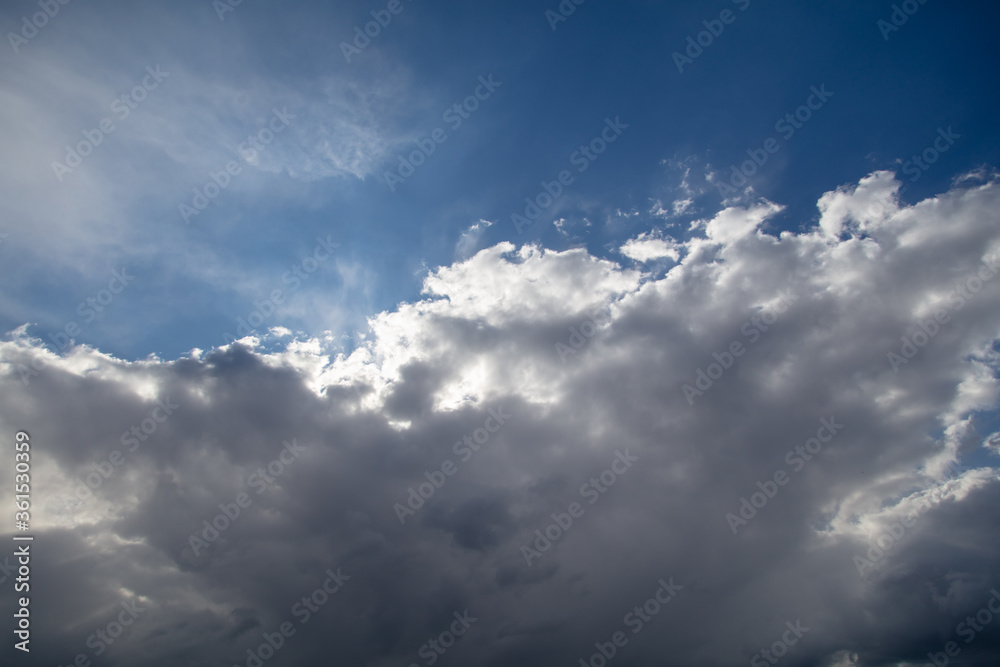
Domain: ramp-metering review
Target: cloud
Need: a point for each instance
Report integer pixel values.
(872, 201)
(734, 223)
(120, 204)
(379, 421)
(646, 247)
(469, 242)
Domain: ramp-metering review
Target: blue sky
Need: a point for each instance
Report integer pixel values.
(285, 310)
(326, 174)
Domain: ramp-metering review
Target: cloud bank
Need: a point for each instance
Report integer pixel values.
(832, 479)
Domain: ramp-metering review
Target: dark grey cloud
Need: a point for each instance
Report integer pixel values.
(288, 464)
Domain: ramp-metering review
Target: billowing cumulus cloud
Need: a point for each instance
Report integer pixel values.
(782, 443)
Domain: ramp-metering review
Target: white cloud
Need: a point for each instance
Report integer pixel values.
(469, 242)
(646, 247)
(868, 204)
(733, 223)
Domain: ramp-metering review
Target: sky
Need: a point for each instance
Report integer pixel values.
(527, 332)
